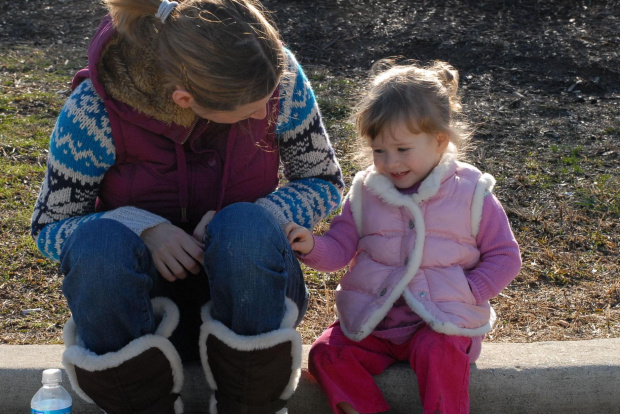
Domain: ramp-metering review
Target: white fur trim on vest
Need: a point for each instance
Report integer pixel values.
(266, 340)
(447, 328)
(430, 185)
(76, 353)
(485, 185)
(355, 197)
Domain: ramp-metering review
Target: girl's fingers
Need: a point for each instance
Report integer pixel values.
(201, 228)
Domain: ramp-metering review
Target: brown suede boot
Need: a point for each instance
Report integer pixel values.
(143, 377)
(249, 374)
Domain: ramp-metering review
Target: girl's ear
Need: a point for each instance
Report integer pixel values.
(182, 98)
(443, 139)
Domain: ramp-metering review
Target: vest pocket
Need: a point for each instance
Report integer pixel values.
(449, 285)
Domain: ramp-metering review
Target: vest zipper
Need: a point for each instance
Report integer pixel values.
(191, 130)
(182, 172)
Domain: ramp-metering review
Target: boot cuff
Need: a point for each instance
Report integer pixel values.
(76, 354)
(238, 342)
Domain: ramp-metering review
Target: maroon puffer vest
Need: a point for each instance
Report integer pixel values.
(181, 173)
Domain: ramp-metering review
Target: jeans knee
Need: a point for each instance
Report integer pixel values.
(100, 253)
(244, 224)
(99, 242)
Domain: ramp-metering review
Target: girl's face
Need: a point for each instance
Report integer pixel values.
(406, 158)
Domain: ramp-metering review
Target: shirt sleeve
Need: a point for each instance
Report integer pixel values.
(81, 152)
(337, 247)
(313, 180)
(500, 259)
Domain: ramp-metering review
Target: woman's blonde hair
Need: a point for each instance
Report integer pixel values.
(426, 99)
(226, 53)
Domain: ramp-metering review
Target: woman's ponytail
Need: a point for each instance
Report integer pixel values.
(135, 19)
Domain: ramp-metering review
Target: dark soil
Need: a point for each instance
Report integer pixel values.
(541, 84)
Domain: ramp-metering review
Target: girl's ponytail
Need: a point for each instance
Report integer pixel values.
(449, 78)
(447, 75)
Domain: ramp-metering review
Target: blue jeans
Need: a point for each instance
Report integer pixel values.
(249, 270)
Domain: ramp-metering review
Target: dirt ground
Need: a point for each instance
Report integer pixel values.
(541, 84)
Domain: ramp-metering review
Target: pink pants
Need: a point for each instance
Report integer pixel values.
(345, 369)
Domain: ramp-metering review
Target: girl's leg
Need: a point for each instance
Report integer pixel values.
(251, 269)
(345, 369)
(109, 278)
(441, 364)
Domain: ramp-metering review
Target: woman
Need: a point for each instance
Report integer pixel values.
(162, 198)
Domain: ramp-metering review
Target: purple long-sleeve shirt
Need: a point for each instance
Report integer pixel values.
(500, 262)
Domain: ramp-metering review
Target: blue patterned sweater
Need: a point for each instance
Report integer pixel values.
(82, 150)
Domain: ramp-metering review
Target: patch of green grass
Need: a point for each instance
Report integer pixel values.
(602, 196)
(573, 161)
(333, 109)
(27, 133)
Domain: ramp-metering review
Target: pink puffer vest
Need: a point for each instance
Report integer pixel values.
(419, 247)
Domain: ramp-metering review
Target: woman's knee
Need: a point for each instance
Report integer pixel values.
(102, 252)
(100, 242)
(244, 224)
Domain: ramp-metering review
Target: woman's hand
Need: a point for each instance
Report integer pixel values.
(174, 252)
(201, 228)
(300, 238)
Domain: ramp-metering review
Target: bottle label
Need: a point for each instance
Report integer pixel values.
(61, 411)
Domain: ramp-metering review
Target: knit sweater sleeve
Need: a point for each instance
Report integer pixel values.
(314, 183)
(500, 259)
(81, 152)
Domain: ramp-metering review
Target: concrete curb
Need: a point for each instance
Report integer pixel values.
(543, 377)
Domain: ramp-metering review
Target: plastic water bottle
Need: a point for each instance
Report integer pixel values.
(51, 398)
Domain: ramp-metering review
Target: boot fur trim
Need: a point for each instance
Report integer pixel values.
(290, 315)
(76, 353)
(267, 340)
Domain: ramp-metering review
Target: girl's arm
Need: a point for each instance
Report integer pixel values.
(314, 180)
(500, 259)
(336, 248)
(81, 152)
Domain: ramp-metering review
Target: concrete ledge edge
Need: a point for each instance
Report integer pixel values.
(542, 377)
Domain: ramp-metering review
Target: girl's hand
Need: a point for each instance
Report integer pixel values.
(174, 252)
(201, 228)
(300, 238)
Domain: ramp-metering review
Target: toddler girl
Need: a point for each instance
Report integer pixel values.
(427, 245)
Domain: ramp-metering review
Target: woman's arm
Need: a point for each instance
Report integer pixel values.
(81, 152)
(315, 184)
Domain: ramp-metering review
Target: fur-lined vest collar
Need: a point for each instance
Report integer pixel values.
(131, 75)
(128, 77)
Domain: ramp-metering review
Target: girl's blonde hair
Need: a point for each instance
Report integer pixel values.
(226, 53)
(425, 98)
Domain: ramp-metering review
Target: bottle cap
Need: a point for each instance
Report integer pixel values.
(52, 376)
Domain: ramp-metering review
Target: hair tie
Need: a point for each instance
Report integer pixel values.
(165, 8)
